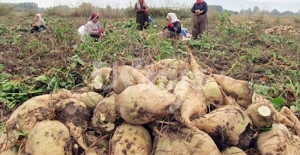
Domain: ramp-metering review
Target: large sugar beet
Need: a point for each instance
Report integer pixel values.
(8, 152)
(143, 103)
(277, 141)
(124, 76)
(184, 141)
(172, 69)
(263, 113)
(204, 83)
(100, 79)
(131, 139)
(211, 89)
(228, 126)
(73, 111)
(105, 114)
(193, 102)
(90, 99)
(36, 109)
(47, 138)
(233, 151)
(240, 90)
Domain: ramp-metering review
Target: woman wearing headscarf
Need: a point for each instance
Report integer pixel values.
(39, 24)
(173, 28)
(92, 27)
(200, 22)
(142, 17)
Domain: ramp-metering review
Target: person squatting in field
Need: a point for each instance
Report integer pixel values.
(39, 24)
(200, 22)
(92, 27)
(173, 28)
(142, 17)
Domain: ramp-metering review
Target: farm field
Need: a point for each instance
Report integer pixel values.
(262, 51)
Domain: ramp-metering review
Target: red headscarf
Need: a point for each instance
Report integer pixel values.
(198, 2)
(93, 16)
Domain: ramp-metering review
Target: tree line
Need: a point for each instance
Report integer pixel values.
(254, 10)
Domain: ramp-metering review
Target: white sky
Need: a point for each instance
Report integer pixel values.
(236, 5)
(275, 1)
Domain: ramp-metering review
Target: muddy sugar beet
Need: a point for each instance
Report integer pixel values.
(131, 139)
(144, 103)
(48, 137)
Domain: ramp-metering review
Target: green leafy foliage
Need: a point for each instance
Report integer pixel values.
(261, 89)
(12, 93)
(223, 18)
(237, 49)
(278, 102)
(264, 129)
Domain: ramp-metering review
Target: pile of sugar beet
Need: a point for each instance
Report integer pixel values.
(169, 107)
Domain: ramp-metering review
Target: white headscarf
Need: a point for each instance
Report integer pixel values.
(38, 15)
(40, 21)
(173, 17)
(139, 5)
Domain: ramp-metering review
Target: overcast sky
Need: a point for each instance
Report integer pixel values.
(236, 5)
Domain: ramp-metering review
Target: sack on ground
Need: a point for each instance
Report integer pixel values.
(82, 32)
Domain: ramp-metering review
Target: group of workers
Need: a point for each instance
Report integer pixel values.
(172, 29)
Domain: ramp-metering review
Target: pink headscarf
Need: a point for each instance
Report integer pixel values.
(199, 1)
(93, 16)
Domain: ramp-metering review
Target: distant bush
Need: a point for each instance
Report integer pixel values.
(213, 15)
(84, 10)
(109, 12)
(5, 9)
(261, 18)
(296, 20)
(277, 21)
(31, 13)
(54, 12)
(60, 10)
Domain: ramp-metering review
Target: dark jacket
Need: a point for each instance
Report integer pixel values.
(202, 6)
(176, 27)
(141, 16)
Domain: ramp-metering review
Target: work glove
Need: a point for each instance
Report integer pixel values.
(146, 11)
(170, 24)
(101, 30)
(142, 10)
(33, 25)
